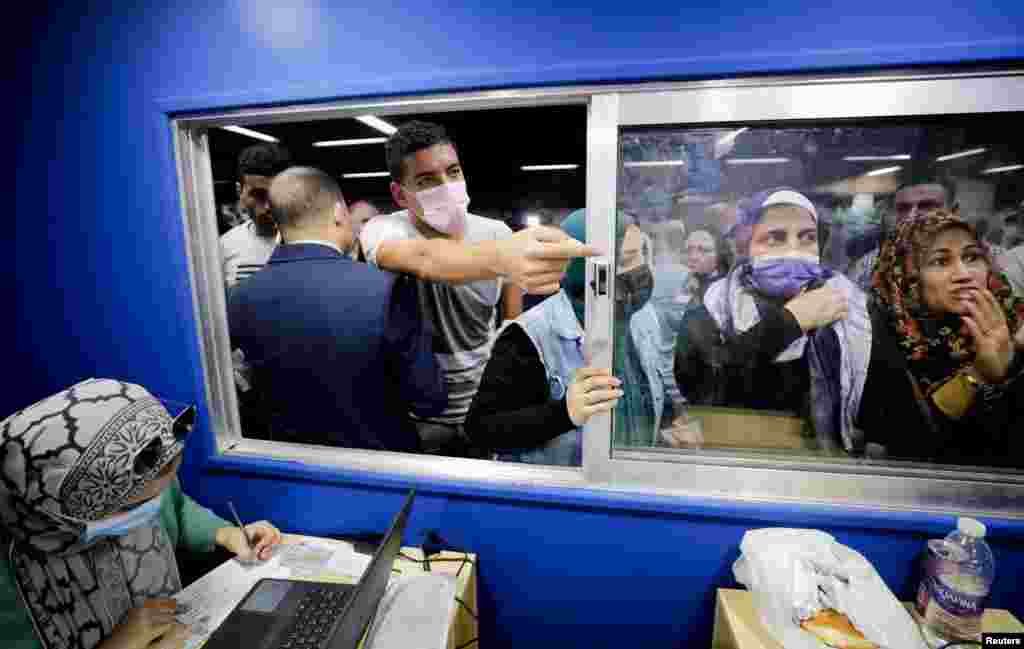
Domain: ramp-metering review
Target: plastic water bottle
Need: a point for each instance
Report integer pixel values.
(958, 575)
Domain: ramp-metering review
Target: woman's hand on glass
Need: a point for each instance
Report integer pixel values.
(149, 626)
(263, 535)
(818, 307)
(592, 390)
(987, 325)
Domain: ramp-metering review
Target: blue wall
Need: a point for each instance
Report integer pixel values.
(101, 285)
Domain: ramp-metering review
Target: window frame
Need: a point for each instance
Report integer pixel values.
(735, 476)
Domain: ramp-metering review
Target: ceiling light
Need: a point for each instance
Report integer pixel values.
(732, 135)
(654, 163)
(356, 142)
(532, 219)
(549, 167)
(962, 154)
(377, 123)
(727, 142)
(755, 161)
(883, 171)
(250, 133)
(368, 174)
(876, 158)
(996, 170)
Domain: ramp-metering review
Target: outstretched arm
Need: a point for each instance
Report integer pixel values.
(533, 259)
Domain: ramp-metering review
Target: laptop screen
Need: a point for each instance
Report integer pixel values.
(363, 603)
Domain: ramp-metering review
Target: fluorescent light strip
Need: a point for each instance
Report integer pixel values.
(755, 161)
(549, 167)
(883, 171)
(997, 170)
(356, 142)
(250, 133)
(377, 123)
(876, 158)
(732, 135)
(654, 163)
(368, 174)
(962, 154)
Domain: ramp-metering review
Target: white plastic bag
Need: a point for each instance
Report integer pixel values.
(794, 573)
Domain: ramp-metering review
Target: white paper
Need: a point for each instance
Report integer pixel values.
(346, 561)
(414, 612)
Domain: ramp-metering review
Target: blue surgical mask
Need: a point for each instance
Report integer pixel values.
(144, 515)
(784, 276)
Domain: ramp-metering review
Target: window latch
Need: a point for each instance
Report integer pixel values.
(599, 281)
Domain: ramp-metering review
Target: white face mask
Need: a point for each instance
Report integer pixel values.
(444, 207)
(144, 515)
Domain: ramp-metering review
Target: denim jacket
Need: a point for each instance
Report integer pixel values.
(556, 334)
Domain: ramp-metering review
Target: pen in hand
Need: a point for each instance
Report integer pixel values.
(245, 534)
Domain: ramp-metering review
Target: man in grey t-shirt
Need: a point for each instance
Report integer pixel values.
(464, 262)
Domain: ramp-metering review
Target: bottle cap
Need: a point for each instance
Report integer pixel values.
(971, 527)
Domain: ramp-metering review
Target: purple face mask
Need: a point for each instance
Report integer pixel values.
(784, 276)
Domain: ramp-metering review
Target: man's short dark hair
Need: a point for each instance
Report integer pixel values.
(408, 139)
(263, 160)
(299, 195)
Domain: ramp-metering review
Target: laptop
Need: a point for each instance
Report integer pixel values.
(293, 614)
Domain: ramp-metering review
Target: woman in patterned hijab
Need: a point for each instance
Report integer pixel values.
(90, 512)
(945, 321)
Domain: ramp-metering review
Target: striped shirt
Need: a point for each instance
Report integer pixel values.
(243, 252)
(462, 316)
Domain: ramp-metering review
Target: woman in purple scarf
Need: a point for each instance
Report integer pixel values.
(780, 331)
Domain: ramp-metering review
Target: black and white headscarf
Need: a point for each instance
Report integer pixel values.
(74, 457)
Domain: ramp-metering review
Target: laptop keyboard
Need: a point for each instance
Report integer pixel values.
(314, 619)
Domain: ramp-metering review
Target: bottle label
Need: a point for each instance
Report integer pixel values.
(953, 604)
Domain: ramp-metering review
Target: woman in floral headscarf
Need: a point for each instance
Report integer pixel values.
(90, 515)
(944, 383)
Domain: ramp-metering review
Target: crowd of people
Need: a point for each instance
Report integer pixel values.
(378, 331)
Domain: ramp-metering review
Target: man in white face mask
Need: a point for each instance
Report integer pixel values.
(465, 264)
(461, 261)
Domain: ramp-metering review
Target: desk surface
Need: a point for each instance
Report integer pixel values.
(738, 626)
(211, 598)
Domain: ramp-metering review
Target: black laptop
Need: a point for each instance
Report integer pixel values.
(293, 614)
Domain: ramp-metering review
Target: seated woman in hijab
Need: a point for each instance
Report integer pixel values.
(780, 331)
(538, 391)
(90, 515)
(945, 381)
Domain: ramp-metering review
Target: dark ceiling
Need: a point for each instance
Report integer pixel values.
(492, 146)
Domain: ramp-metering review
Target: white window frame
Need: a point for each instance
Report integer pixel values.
(739, 476)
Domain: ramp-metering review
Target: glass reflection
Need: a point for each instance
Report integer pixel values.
(769, 280)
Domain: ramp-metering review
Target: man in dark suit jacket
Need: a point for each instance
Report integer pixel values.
(337, 350)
